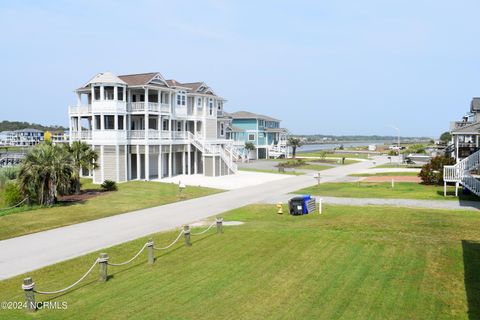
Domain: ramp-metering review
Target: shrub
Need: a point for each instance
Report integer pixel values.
(432, 172)
(109, 185)
(8, 173)
(322, 155)
(13, 195)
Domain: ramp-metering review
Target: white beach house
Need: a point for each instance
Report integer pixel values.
(145, 127)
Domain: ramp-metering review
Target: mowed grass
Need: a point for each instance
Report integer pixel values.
(133, 195)
(349, 263)
(402, 190)
(316, 167)
(397, 165)
(385, 174)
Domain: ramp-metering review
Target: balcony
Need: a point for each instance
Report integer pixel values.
(80, 109)
(150, 106)
(109, 106)
(81, 135)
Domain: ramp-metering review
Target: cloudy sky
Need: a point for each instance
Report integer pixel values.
(332, 67)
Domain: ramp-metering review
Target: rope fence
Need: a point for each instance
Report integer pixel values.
(28, 285)
(3, 209)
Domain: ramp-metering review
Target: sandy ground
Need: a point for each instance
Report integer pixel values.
(240, 180)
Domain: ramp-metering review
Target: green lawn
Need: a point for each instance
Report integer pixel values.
(403, 190)
(295, 173)
(133, 195)
(396, 165)
(316, 167)
(333, 155)
(384, 174)
(349, 263)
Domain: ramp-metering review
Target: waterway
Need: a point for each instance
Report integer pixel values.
(331, 146)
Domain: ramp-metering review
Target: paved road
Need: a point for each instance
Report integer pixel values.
(30, 252)
(429, 204)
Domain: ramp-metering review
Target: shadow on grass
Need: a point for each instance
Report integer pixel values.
(471, 265)
(461, 196)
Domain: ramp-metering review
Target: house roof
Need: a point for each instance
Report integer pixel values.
(471, 128)
(138, 79)
(276, 130)
(105, 77)
(250, 115)
(235, 129)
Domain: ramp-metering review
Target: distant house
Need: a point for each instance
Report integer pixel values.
(23, 137)
(263, 131)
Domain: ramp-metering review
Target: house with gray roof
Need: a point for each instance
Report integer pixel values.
(263, 131)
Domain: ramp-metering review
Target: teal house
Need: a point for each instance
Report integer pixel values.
(264, 132)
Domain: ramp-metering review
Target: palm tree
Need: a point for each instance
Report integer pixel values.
(45, 172)
(83, 156)
(249, 146)
(294, 143)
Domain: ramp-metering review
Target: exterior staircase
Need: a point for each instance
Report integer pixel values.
(213, 149)
(460, 173)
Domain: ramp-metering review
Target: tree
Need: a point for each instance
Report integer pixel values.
(249, 146)
(83, 157)
(432, 172)
(446, 137)
(45, 173)
(294, 143)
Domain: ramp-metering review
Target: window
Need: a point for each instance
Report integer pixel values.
(97, 122)
(165, 125)
(120, 122)
(96, 92)
(199, 102)
(222, 129)
(108, 91)
(219, 105)
(261, 123)
(210, 106)
(181, 98)
(120, 93)
(251, 137)
(109, 122)
(179, 126)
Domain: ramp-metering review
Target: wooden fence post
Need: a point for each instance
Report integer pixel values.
(219, 221)
(28, 286)
(102, 262)
(151, 258)
(186, 233)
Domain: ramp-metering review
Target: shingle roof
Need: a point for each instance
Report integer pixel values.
(250, 115)
(138, 79)
(192, 85)
(105, 77)
(472, 128)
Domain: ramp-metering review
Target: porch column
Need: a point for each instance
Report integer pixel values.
(115, 122)
(79, 99)
(147, 162)
(456, 148)
(195, 127)
(102, 122)
(102, 92)
(139, 163)
(170, 162)
(115, 93)
(160, 166)
(189, 157)
(92, 90)
(183, 163)
(195, 161)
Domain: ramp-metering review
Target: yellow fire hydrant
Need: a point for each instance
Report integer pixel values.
(280, 208)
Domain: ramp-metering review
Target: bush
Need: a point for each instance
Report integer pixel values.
(13, 196)
(432, 172)
(109, 185)
(8, 173)
(322, 155)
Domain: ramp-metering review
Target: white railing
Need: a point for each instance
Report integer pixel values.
(80, 109)
(109, 106)
(213, 149)
(180, 135)
(150, 106)
(136, 134)
(165, 107)
(460, 173)
(110, 135)
(81, 135)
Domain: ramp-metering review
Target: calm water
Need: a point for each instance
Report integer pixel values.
(330, 146)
